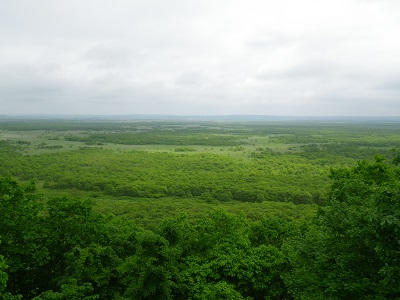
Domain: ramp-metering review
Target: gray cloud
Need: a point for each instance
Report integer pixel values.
(200, 57)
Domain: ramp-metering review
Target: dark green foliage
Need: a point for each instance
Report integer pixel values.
(46, 249)
(185, 149)
(352, 249)
(156, 138)
(3, 276)
(21, 235)
(10, 149)
(95, 265)
(148, 273)
(71, 227)
(218, 259)
(50, 147)
(71, 290)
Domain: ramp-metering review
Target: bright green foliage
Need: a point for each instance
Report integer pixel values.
(139, 174)
(352, 250)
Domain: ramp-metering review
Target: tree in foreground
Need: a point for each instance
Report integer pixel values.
(352, 250)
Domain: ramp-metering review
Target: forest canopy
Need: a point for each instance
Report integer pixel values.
(298, 212)
(63, 249)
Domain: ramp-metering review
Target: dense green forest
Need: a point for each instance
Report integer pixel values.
(199, 210)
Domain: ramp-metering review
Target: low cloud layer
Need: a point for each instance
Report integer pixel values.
(200, 57)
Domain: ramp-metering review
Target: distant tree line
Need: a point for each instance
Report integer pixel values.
(154, 138)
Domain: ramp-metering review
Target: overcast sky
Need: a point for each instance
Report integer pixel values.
(214, 57)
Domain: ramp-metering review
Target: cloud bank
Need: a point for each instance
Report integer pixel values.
(200, 57)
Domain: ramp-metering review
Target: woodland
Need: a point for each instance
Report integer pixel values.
(187, 209)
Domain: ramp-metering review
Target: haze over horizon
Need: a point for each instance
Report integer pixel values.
(277, 58)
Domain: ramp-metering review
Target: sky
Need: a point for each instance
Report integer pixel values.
(204, 57)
